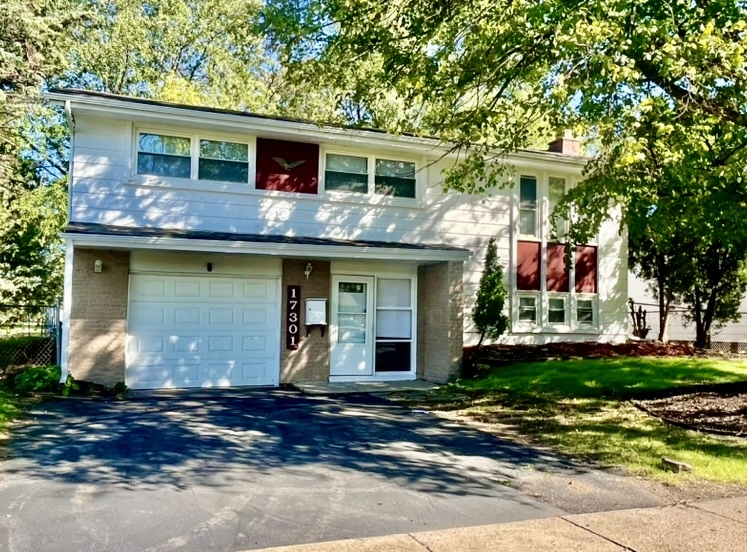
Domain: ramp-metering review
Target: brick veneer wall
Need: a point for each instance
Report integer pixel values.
(440, 321)
(98, 316)
(310, 362)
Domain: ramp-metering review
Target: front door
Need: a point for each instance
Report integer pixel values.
(351, 330)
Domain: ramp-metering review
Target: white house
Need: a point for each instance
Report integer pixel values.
(219, 248)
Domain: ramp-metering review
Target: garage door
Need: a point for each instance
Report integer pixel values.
(190, 331)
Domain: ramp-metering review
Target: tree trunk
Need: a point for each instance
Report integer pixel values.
(704, 319)
(664, 325)
(664, 302)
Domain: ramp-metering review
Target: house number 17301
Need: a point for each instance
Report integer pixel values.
(293, 317)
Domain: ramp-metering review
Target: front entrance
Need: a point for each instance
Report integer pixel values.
(351, 332)
(372, 333)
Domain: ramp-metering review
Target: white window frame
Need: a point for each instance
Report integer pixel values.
(413, 323)
(544, 234)
(547, 219)
(566, 311)
(193, 182)
(537, 235)
(371, 196)
(523, 324)
(594, 298)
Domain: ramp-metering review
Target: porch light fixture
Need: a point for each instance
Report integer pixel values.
(97, 266)
(307, 272)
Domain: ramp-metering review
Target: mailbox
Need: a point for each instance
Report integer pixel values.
(316, 312)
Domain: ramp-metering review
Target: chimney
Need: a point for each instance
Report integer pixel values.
(566, 144)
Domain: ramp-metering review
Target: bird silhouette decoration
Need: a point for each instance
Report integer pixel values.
(288, 166)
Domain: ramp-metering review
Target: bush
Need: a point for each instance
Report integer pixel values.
(42, 379)
(37, 379)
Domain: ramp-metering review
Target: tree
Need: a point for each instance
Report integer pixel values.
(681, 189)
(32, 256)
(657, 88)
(487, 313)
(32, 152)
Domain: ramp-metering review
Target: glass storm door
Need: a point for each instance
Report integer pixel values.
(351, 329)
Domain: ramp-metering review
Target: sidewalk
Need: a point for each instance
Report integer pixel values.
(713, 526)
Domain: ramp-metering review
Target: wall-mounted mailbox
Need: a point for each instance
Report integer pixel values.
(316, 312)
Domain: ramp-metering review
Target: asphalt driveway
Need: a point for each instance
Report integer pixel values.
(231, 470)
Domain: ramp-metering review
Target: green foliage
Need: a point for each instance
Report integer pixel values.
(487, 313)
(119, 388)
(42, 379)
(31, 250)
(657, 89)
(580, 408)
(37, 379)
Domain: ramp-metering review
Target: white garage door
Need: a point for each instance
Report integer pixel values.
(191, 331)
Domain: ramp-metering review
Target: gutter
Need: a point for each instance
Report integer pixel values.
(168, 243)
(298, 129)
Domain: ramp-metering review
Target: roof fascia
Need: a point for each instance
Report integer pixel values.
(271, 249)
(349, 137)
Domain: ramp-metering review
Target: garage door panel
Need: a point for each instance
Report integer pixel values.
(202, 332)
(259, 291)
(187, 288)
(221, 316)
(184, 316)
(258, 316)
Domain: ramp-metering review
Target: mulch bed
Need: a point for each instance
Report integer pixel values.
(484, 357)
(721, 410)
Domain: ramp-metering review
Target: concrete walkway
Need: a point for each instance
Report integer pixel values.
(351, 388)
(714, 526)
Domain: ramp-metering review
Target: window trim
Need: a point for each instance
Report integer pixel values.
(594, 298)
(558, 297)
(413, 320)
(566, 226)
(537, 235)
(371, 196)
(544, 238)
(536, 295)
(193, 182)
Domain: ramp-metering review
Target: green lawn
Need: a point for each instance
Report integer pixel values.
(580, 408)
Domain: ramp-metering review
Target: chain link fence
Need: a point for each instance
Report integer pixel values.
(30, 335)
(727, 338)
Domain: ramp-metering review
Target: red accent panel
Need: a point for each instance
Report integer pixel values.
(586, 269)
(528, 266)
(303, 178)
(557, 271)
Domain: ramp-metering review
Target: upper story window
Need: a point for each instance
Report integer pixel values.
(162, 155)
(226, 161)
(352, 173)
(347, 173)
(556, 193)
(395, 178)
(192, 157)
(528, 206)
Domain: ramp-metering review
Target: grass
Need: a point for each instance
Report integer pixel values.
(580, 408)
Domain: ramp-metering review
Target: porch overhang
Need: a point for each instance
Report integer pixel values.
(95, 235)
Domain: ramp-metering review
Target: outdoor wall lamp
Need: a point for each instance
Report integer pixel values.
(307, 272)
(97, 266)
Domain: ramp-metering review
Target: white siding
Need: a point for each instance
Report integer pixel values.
(104, 191)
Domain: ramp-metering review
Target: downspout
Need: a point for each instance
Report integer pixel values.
(68, 276)
(71, 126)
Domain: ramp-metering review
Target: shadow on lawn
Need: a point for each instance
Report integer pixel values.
(226, 439)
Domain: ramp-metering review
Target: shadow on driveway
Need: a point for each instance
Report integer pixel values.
(231, 470)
